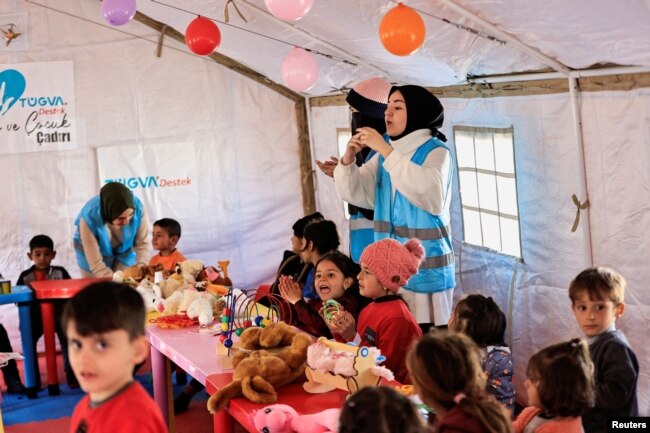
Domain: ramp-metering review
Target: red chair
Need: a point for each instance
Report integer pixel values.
(262, 290)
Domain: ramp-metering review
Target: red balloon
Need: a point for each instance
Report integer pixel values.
(202, 36)
(402, 31)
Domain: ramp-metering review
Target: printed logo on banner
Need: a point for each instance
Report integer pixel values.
(151, 181)
(35, 113)
(12, 87)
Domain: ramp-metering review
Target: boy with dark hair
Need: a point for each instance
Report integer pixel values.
(597, 299)
(166, 234)
(41, 252)
(105, 327)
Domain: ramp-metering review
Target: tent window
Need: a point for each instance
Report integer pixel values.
(487, 180)
(343, 135)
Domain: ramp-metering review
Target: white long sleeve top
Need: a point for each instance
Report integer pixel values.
(425, 186)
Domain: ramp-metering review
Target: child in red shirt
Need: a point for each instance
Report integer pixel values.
(386, 323)
(105, 327)
(166, 234)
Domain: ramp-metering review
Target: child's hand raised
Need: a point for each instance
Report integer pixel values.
(289, 289)
(343, 323)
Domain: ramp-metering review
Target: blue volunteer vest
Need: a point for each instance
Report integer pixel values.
(92, 215)
(362, 230)
(400, 219)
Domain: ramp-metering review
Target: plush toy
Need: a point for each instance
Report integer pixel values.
(201, 309)
(151, 295)
(266, 358)
(321, 357)
(134, 272)
(188, 270)
(181, 300)
(149, 271)
(280, 418)
(169, 286)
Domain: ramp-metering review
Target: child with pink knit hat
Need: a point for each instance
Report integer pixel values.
(387, 322)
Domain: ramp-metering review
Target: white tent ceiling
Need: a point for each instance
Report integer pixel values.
(579, 34)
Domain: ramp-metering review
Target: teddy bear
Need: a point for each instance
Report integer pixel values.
(187, 271)
(280, 418)
(265, 359)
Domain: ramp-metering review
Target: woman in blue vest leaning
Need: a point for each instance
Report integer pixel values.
(111, 233)
(408, 184)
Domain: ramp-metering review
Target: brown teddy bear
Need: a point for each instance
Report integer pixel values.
(265, 359)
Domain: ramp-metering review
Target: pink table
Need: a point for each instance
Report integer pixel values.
(47, 291)
(239, 409)
(193, 352)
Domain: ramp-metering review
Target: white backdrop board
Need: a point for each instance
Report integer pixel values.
(37, 107)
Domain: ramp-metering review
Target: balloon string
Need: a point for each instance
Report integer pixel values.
(328, 56)
(459, 26)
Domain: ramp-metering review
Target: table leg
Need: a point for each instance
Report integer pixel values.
(47, 312)
(163, 393)
(223, 422)
(30, 364)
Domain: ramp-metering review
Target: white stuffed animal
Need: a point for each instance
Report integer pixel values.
(151, 298)
(171, 304)
(200, 308)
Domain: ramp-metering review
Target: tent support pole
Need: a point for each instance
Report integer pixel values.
(601, 72)
(585, 226)
(304, 150)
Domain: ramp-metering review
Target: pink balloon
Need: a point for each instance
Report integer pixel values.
(299, 70)
(118, 12)
(289, 10)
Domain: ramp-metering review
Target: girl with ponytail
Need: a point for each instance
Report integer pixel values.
(482, 320)
(446, 374)
(560, 389)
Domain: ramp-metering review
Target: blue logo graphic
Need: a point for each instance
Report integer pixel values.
(12, 87)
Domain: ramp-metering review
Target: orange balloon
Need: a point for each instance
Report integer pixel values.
(402, 31)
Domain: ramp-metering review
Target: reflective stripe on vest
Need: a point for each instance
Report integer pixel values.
(361, 235)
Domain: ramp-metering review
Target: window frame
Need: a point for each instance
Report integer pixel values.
(496, 174)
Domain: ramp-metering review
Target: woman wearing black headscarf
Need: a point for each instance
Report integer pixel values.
(408, 184)
(111, 233)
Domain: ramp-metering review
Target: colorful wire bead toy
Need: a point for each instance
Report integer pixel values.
(330, 309)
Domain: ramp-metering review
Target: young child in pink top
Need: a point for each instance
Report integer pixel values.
(560, 389)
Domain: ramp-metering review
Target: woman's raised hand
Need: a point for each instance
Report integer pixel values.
(369, 137)
(327, 167)
(354, 147)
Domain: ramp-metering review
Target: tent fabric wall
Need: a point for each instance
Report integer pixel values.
(244, 135)
(617, 143)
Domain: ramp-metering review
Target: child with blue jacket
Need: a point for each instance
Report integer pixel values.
(597, 299)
